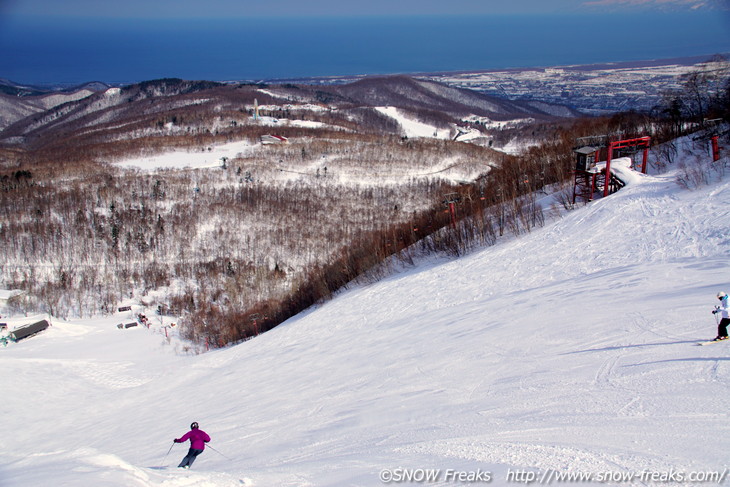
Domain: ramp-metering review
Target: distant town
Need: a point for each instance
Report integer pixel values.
(591, 89)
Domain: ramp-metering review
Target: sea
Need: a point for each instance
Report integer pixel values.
(117, 51)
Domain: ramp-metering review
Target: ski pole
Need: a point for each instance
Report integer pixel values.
(219, 453)
(168, 452)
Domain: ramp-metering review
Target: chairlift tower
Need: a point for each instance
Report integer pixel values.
(588, 178)
(638, 144)
(450, 200)
(585, 175)
(714, 138)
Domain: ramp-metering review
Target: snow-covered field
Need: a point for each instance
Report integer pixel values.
(411, 127)
(570, 350)
(193, 159)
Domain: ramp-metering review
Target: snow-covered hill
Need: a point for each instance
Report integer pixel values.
(570, 350)
(174, 107)
(13, 108)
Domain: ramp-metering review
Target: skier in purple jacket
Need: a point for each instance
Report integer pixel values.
(198, 438)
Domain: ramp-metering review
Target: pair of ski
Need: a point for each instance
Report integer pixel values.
(710, 342)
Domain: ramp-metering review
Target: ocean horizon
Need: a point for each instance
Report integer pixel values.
(53, 51)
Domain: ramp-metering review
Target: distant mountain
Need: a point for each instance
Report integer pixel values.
(19, 101)
(409, 93)
(21, 105)
(93, 86)
(8, 87)
(91, 115)
(60, 103)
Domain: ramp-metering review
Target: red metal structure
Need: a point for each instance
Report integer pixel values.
(450, 200)
(715, 148)
(639, 143)
(588, 177)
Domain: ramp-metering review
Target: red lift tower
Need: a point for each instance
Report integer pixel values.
(450, 200)
(639, 143)
(715, 148)
(588, 178)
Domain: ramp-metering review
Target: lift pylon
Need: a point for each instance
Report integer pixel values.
(588, 177)
(639, 143)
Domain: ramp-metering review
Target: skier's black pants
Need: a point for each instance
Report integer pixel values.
(722, 327)
(190, 457)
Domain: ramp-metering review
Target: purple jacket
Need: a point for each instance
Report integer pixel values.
(198, 439)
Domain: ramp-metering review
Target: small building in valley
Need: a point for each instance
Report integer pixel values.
(274, 139)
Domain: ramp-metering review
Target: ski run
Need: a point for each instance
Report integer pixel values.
(565, 353)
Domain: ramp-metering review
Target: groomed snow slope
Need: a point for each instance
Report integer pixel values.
(570, 349)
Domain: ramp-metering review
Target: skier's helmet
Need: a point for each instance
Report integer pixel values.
(721, 295)
(194, 426)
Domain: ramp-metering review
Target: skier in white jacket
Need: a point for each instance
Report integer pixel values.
(724, 316)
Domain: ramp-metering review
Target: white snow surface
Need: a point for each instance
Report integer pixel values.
(209, 156)
(412, 127)
(567, 350)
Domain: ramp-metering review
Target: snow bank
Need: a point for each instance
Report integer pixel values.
(624, 168)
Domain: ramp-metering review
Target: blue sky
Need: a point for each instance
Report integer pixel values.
(249, 8)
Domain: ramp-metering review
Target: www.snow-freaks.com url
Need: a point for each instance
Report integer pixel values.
(552, 476)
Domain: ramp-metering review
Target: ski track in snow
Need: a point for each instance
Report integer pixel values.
(108, 375)
(570, 348)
